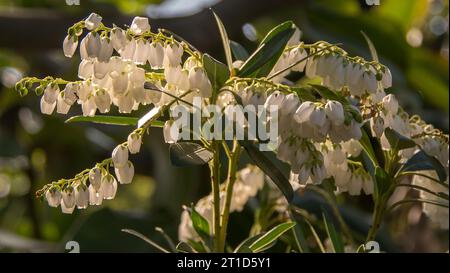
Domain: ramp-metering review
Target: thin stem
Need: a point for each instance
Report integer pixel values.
(231, 178)
(376, 219)
(215, 188)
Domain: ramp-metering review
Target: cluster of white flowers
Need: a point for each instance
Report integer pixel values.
(119, 79)
(249, 181)
(91, 187)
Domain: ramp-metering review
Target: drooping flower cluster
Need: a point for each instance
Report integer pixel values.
(249, 181)
(92, 186)
(107, 79)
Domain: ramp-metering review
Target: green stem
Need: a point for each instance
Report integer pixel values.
(231, 178)
(377, 218)
(215, 184)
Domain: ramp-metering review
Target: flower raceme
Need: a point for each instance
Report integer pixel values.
(318, 134)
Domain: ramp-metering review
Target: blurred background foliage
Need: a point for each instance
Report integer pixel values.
(411, 38)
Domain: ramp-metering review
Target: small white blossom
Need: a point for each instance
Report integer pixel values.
(134, 142)
(95, 177)
(70, 45)
(53, 196)
(140, 25)
(125, 174)
(93, 21)
(120, 156)
(335, 112)
(108, 187)
(81, 196)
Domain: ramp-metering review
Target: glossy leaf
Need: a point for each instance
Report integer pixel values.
(239, 52)
(225, 41)
(111, 120)
(423, 162)
(269, 169)
(188, 154)
(335, 237)
(261, 62)
(217, 72)
(398, 141)
(269, 237)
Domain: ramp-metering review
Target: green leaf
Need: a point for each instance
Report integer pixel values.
(382, 182)
(244, 246)
(261, 62)
(373, 51)
(239, 52)
(145, 239)
(112, 120)
(225, 41)
(269, 237)
(300, 239)
(335, 237)
(187, 154)
(183, 247)
(328, 94)
(269, 169)
(398, 141)
(367, 147)
(217, 72)
(422, 162)
(200, 224)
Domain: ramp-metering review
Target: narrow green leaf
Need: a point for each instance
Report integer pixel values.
(239, 52)
(367, 147)
(422, 162)
(261, 62)
(270, 169)
(335, 237)
(201, 225)
(183, 247)
(316, 236)
(244, 246)
(398, 141)
(146, 239)
(225, 41)
(373, 51)
(300, 239)
(187, 153)
(217, 72)
(270, 236)
(112, 120)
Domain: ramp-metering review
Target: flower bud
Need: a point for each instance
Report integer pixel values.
(93, 21)
(140, 25)
(120, 156)
(125, 174)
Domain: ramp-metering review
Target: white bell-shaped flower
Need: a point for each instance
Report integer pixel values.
(304, 111)
(274, 99)
(53, 196)
(137, 77)
(119, 82)
(89, 107)
(370, 81)
(367, 185)
(100, 69)
(70, 45)
(68, 200)
(95, 196)
(141, 52)
(125, 174)
(86, 69)
(120, 156)
(390, 103)
(352, 147)
(70, 93)
(172, 54)
(92, 21)
(290, 104)
(47, 108)
(51, 93)
(125, 102)
(355, 185)
(81, 196)
(140, 25)
(170, 132)
(106, 49)
(95, 177)
(377, 126)
(102, 100)
(310, 68)
(134, 142)
(387, 78)
(118, 38)
(335, 112)
(84, 91)
(296, 55)
(128, 51)
(108, 187)
(156, 55)
(61, 106)
(199, 80)
(92, 45)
